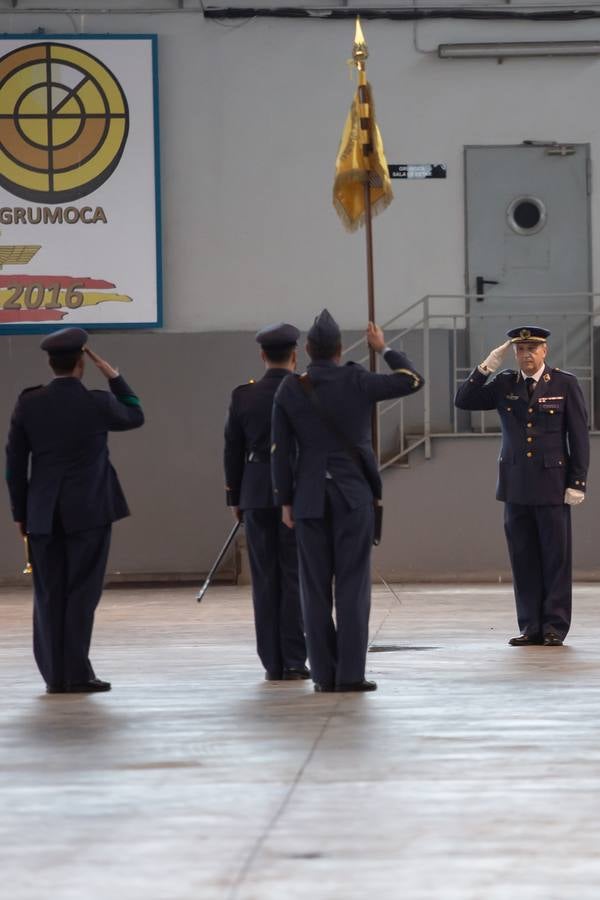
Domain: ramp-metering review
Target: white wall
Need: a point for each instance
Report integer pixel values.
(251, 116)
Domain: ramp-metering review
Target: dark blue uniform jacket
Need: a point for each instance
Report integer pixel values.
(545, 438)
(348, 393)
(247, 442)
(63, 428)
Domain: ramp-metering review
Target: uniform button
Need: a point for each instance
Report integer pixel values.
(509, 409)
(560, 462)
(529, 453)
(529, 440)
(530, 410)
(530, 424)
(551, 411)
(576, 482)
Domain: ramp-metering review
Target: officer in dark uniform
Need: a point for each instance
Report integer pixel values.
(328, 494)
(542, 473)
(271, 547)
(68, 502)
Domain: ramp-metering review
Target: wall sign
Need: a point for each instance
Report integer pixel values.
(418, 170)
(79, 183)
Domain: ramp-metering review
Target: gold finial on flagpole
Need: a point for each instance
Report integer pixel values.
(360, 51)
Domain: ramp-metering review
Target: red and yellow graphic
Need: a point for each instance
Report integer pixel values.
(64, 122)
(43, 298)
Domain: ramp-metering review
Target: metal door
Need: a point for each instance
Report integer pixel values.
(528, 232)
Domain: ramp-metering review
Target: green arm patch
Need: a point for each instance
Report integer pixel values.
(130, 400)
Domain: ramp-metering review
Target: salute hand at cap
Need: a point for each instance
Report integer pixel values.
(107, 370)
(493, 362)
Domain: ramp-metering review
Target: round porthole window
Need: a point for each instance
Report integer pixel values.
(526, 215)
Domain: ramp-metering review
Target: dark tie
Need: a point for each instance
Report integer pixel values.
(530, 382)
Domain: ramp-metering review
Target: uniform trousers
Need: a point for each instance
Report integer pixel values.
(539, 544)
(336, 546)
(273, 561)
(68, 577)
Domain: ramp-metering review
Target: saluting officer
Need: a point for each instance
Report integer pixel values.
(67, 504)
(272, 549)
(542, 473)
(327, 495)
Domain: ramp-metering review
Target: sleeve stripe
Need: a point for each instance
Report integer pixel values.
(416, 379)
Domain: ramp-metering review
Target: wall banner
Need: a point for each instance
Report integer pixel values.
(79, 182)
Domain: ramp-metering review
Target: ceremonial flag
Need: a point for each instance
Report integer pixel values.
(361, 157)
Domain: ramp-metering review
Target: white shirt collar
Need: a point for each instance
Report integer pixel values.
(536, 375)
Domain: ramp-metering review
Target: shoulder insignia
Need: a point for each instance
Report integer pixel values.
(563, 372)
(241, 387)
(36, 387)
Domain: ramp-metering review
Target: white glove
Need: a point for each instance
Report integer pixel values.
(493, 362)
(573, 497)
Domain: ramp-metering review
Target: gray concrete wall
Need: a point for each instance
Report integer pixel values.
(441, 518)
(442, 521)
(171, 469)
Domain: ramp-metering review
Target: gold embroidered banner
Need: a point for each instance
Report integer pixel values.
(361, 157)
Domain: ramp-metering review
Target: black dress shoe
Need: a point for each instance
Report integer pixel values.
(552, 640)
(363, 685)
(324, 688)
(524, 640)
(296, 674)
(93, 686)
(273, 676)
(55, 689)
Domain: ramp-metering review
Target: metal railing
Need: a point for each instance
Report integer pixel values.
(572, 347)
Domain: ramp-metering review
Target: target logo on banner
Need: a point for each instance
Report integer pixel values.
(79, 182)
(64, 122)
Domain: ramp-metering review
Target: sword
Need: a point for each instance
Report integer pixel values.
(27, 570)
(218, 561)
(387, 586)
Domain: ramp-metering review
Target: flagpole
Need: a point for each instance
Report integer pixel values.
(360, 54)
(371, 307)
(370, 270)
(362, 187)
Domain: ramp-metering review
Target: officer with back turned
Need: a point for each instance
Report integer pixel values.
(542, 473)
(328, 495)
(271, 546)
(68, 502)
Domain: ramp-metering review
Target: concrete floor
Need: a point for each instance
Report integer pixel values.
(472, 774)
